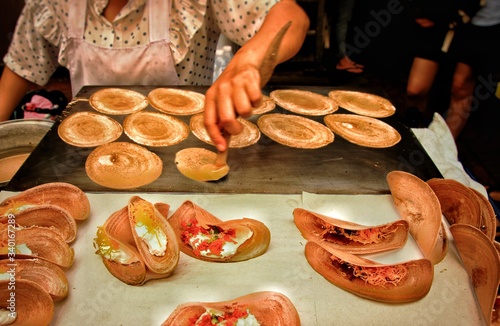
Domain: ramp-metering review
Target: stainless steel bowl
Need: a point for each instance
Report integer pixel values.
(18, 138)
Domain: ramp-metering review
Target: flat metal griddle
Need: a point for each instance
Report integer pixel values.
(266, 167)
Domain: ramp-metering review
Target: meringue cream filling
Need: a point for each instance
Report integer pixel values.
(112, 249)
(155, 238)
(215, 314)
(229, 248)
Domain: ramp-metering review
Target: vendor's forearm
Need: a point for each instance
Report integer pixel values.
(278, 16)
(12, 89)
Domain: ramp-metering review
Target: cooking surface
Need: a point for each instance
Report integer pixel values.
(266, 167)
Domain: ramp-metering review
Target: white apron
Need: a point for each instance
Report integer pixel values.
(149, 64)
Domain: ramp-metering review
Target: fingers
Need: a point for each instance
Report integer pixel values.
(227, 99)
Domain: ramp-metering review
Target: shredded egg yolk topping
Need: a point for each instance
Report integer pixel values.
(148, 229)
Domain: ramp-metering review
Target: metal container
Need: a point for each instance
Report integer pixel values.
(18, 138)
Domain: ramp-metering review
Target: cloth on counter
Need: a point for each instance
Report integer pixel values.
(440, 145)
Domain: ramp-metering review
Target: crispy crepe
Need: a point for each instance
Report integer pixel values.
(87, 129)
(295, 131)
(118, 101)
(249, 136)
(363, 131)
(176, 101)
(366, 104)
(304, 102)
(267, 307)
(155, 129)
(122, 165)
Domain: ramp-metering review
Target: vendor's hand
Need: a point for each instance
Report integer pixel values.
(235, 93)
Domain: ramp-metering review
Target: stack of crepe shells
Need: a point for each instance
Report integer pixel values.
(36, 229)
(333, 248)
(473, 227)
(126, 255)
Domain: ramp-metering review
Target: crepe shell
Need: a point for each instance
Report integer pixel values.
(295, 131)
(33, 305)
(363, 131)
(348, 236)
(488, 223)
(395, 283)
(45, 215)
(366, 104)
(44, 243)
(87, 129)
(118, 101)
(269, 308)
(253, 236)
(122, 165)
(418, 204)
(44, 273)
(114, 242)
(143, 214)
(64, 195)
(304, 102)
(265, 106)
(482, 263)
(176, 101)
(155, 129)
(458, 203)
(249, 135)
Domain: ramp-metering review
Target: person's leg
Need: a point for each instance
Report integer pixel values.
(462, 92)
(420, 80)
(344, 15)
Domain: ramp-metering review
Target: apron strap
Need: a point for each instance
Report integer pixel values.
(77, 9)
(159, 20)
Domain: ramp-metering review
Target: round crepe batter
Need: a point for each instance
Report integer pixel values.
(117, 101)
(265, 106)
(363, 131)
(155, 129)
(176, 101)
(122, 165)
(295, 131)
(249, 136)
(87, 129)
(366, 104)
(304, 102)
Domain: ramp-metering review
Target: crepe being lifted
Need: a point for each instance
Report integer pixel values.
(348, 236)
(137, 243)
(258, 308)
(393, 283)
(203, 236)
